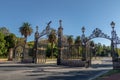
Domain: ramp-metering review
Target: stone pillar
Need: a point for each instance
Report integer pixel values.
(10, 55)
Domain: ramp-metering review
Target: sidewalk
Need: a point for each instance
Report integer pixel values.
(18, 64)
(112, 77)
(49, 63)
(115, 76)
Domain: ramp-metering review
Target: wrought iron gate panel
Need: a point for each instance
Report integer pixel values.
(18, 51)
(41, 55)
(71, 52)
(115, 40)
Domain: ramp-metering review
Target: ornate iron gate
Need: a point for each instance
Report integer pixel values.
(41, 55)
(98, 33)
(39, 51)
(18, 51)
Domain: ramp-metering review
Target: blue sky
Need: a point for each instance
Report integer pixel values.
(73, 13)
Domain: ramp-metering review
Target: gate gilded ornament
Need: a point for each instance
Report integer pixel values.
(18, 53)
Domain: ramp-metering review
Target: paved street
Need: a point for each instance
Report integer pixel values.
(48, 72)
(12, 71)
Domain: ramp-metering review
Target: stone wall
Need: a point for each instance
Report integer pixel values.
(116, 65)
(74, 63)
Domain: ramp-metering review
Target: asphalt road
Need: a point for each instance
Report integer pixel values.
(12, 71)
(49, 72)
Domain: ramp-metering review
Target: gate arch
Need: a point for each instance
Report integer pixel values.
(97, 33)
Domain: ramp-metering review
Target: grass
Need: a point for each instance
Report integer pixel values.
(109, 73)
(3, 59)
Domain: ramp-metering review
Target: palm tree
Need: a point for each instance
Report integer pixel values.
(26, 30)
(52, 39)
(92, 45)
(78, 44)
(78, 40)
(70, 40)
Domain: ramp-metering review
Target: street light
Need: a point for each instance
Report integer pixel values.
(83, 29)
(112, 43)
(112, 25)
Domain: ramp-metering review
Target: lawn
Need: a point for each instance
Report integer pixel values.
(109, 73)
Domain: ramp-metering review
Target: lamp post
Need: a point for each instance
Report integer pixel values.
(84, 54)
(113, 33)
(83, 29)
(112, 25)
(83, 43)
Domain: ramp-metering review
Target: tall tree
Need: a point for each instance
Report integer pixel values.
(3, 49)
(10, 44)
(5, 31)
(99, 49)
(26, 30)
(70, 40)
(10, 40)
(92, 45)
(52, 39)
(78, 44)
(78, 40)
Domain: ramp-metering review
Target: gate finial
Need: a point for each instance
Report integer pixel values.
(60, 22)
(36, 28)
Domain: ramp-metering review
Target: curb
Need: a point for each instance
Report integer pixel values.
(103, 72)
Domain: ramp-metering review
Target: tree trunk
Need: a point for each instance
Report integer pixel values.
(10, 55)
(52, 50)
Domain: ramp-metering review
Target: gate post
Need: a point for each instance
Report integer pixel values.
(35, 45)
(60, 35)
(83, 44)
(113, 43)
(37, 36)
(84, 53)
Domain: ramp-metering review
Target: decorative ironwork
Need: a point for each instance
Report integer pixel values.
(98, 33)
(18, 53)
(37, 36)
(46, 30)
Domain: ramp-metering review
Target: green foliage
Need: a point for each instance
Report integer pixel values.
(51, 50)
(78, 40)
(70, 40)
(26, 30)
(5, 31)
(10, 41)
(118, 51)
(31, 52)
(3, 49)
(31, 44)
(7, 41)
(52, 39)
(48, 52)
(52, 36)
